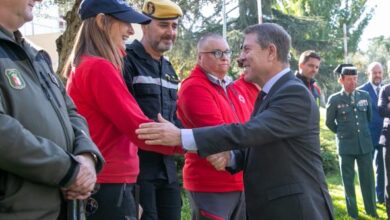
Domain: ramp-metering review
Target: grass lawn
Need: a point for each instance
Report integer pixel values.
(337, 193)
(333, 179)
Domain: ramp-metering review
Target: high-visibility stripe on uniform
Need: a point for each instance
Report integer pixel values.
(156, 81)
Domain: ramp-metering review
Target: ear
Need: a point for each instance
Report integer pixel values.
(144, 27)
(100, 21)
(199, 57)
(272, 52)
(300, 65)
(341, 81)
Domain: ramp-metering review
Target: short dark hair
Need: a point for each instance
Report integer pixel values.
(306, 55)
(271, 33)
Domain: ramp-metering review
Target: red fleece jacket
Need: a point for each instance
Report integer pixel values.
(204, 103)
(101, 96)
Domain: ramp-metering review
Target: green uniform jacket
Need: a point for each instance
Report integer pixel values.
(40, 132)
(349, 117)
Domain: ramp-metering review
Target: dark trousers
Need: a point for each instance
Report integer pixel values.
(386, 156)
(366, 179)
(217, 206)
(112, 202)
(160, 200)
(379, 174)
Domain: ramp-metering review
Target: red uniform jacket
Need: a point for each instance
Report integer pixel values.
(202, 102)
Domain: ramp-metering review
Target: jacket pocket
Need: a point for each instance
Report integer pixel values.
(283, 191)
(173, 94)
(344, 114)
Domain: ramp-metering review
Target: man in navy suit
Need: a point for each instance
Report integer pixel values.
(373, 86)
(278, 148)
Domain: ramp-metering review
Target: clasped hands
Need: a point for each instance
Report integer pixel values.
(85, 180)
(165, 133)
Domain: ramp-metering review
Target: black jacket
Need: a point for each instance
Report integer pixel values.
(154, 85)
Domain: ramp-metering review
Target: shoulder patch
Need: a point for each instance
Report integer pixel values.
(15, 79)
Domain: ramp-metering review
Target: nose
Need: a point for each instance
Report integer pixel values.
(239, 62)
(171, 31)
(241, 58)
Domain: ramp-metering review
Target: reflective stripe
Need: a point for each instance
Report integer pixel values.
(156, 81)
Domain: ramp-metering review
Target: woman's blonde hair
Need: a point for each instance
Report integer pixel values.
(94, 41)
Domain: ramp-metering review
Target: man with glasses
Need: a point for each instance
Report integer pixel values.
(209, 97)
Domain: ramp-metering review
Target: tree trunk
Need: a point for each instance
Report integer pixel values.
(66, 40)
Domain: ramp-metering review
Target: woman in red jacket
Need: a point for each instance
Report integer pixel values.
(95, 83)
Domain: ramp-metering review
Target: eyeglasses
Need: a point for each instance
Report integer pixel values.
(219, 54)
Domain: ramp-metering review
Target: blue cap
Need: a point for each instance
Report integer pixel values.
(116, 8)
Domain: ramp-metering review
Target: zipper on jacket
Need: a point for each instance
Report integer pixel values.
(231, 104)
(50, 89)
(57, 111)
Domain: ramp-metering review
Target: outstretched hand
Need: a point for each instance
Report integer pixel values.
(162, 132)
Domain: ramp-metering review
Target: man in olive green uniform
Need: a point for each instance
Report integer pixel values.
(348, 114)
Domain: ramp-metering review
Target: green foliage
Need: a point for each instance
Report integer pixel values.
(379, 50)
(328, 147)
(322, 30)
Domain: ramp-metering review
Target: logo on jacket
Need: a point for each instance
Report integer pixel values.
(241, 98)
(15, 79)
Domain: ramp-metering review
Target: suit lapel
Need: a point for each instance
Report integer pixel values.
(259, 107)
(262, 104)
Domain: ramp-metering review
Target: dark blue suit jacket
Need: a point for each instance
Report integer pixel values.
(376, 120)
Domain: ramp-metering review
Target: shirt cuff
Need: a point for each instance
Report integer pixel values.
(188, 140)
(232, 162)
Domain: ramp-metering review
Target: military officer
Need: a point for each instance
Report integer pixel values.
(348, 113)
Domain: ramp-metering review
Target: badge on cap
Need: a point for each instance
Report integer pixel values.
(15, 79)
(150, 8)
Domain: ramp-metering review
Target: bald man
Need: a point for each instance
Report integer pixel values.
(209, 97)
(373, 86)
